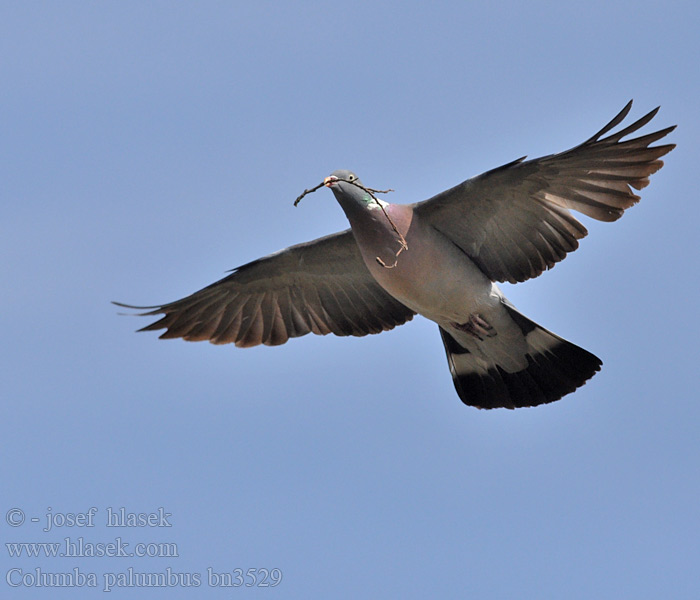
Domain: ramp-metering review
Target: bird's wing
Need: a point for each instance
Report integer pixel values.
(321, 287)
(514, 221)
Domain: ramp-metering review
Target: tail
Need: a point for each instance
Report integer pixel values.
(554, 368)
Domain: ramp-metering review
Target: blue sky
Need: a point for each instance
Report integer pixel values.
(149, 147)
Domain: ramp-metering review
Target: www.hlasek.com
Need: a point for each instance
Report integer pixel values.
(79, 548)
(131, 578)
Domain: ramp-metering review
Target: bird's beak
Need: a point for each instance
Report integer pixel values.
(330, 180)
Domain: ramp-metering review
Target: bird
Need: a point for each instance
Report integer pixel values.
(441, 258)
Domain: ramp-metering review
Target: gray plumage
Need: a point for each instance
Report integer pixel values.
(508, 224)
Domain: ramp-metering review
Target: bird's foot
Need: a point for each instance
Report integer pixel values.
(476, 326)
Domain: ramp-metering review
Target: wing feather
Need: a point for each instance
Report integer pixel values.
(515, 221)
(321, 286)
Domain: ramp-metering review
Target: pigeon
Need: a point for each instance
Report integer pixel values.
(442, 259)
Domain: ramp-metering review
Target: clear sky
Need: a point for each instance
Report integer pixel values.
(148, 147)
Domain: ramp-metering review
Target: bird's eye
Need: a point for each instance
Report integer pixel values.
(351, 177)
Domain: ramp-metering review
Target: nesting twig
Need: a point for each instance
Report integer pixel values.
(313, 189)
(371, 192)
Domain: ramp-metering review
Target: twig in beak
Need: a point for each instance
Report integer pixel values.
(371, 192)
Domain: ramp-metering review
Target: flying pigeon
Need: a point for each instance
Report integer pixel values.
(439, 258)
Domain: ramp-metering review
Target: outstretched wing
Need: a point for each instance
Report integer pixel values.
(514, 221)
(321, 287)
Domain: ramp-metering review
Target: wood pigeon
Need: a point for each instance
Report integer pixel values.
(439, 258)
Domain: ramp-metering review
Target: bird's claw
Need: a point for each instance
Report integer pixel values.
(476, 326)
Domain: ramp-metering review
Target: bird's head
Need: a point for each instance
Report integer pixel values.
(337, 178)
(348, 190)
(346, 186)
